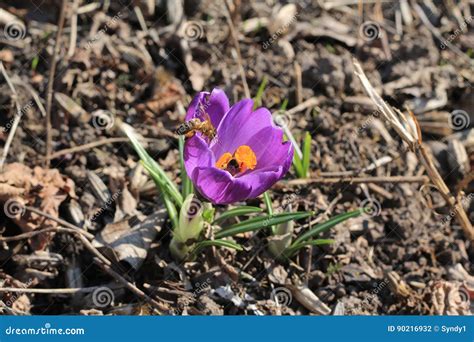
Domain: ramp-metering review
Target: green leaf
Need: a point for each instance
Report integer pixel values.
(258, 98)
(218, 243)
(322, 227)
(208, 214)
(306, 154)
(261, 222)
(34, 63)
(268, 204)
(298, 165)
(158, 174)
(186, 184)
(239, 211)
(170, 207)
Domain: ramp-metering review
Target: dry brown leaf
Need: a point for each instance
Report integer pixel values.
(44, 189)
(125, 242)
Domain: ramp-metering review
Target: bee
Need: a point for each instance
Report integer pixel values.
(189, 128)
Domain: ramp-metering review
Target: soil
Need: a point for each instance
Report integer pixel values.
(403, 258)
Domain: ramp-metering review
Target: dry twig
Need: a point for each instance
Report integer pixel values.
(409, 130)
(130, 286)
(358, 180)
(16, 120)
(233, 33)
(52, 72)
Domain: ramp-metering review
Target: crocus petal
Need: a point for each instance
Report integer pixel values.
(219, 186)
(240, 129)
(197, 154)
(234, 122)
(256, 129)
(270, 149)
(215, 103)
(261, 180)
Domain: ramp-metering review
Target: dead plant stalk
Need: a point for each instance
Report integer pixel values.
(51, 78)
(408, 129)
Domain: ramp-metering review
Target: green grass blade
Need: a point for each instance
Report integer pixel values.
(239, 211)
(322, 227)
(306, 154)
(268, 202)
(258, 98)
(158, 174)
(261, 222)
(163, 186)
(169, 204)
(218, 243)
(268, 205)
(186, 184)
(298, 165)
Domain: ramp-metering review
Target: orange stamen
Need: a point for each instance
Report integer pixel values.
(243, 159)
(223, 161)
(246, 158)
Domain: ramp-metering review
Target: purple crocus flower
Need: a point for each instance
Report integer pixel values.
(245, 157)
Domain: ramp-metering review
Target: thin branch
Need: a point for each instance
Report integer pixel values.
(60, 221)
(71, 290)
(88, 146)
(235, 39)
(33, 233)
(130, 286)
(16, 120)
(93, 144)
(312, 102)
(52, 72)
(358, 180)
